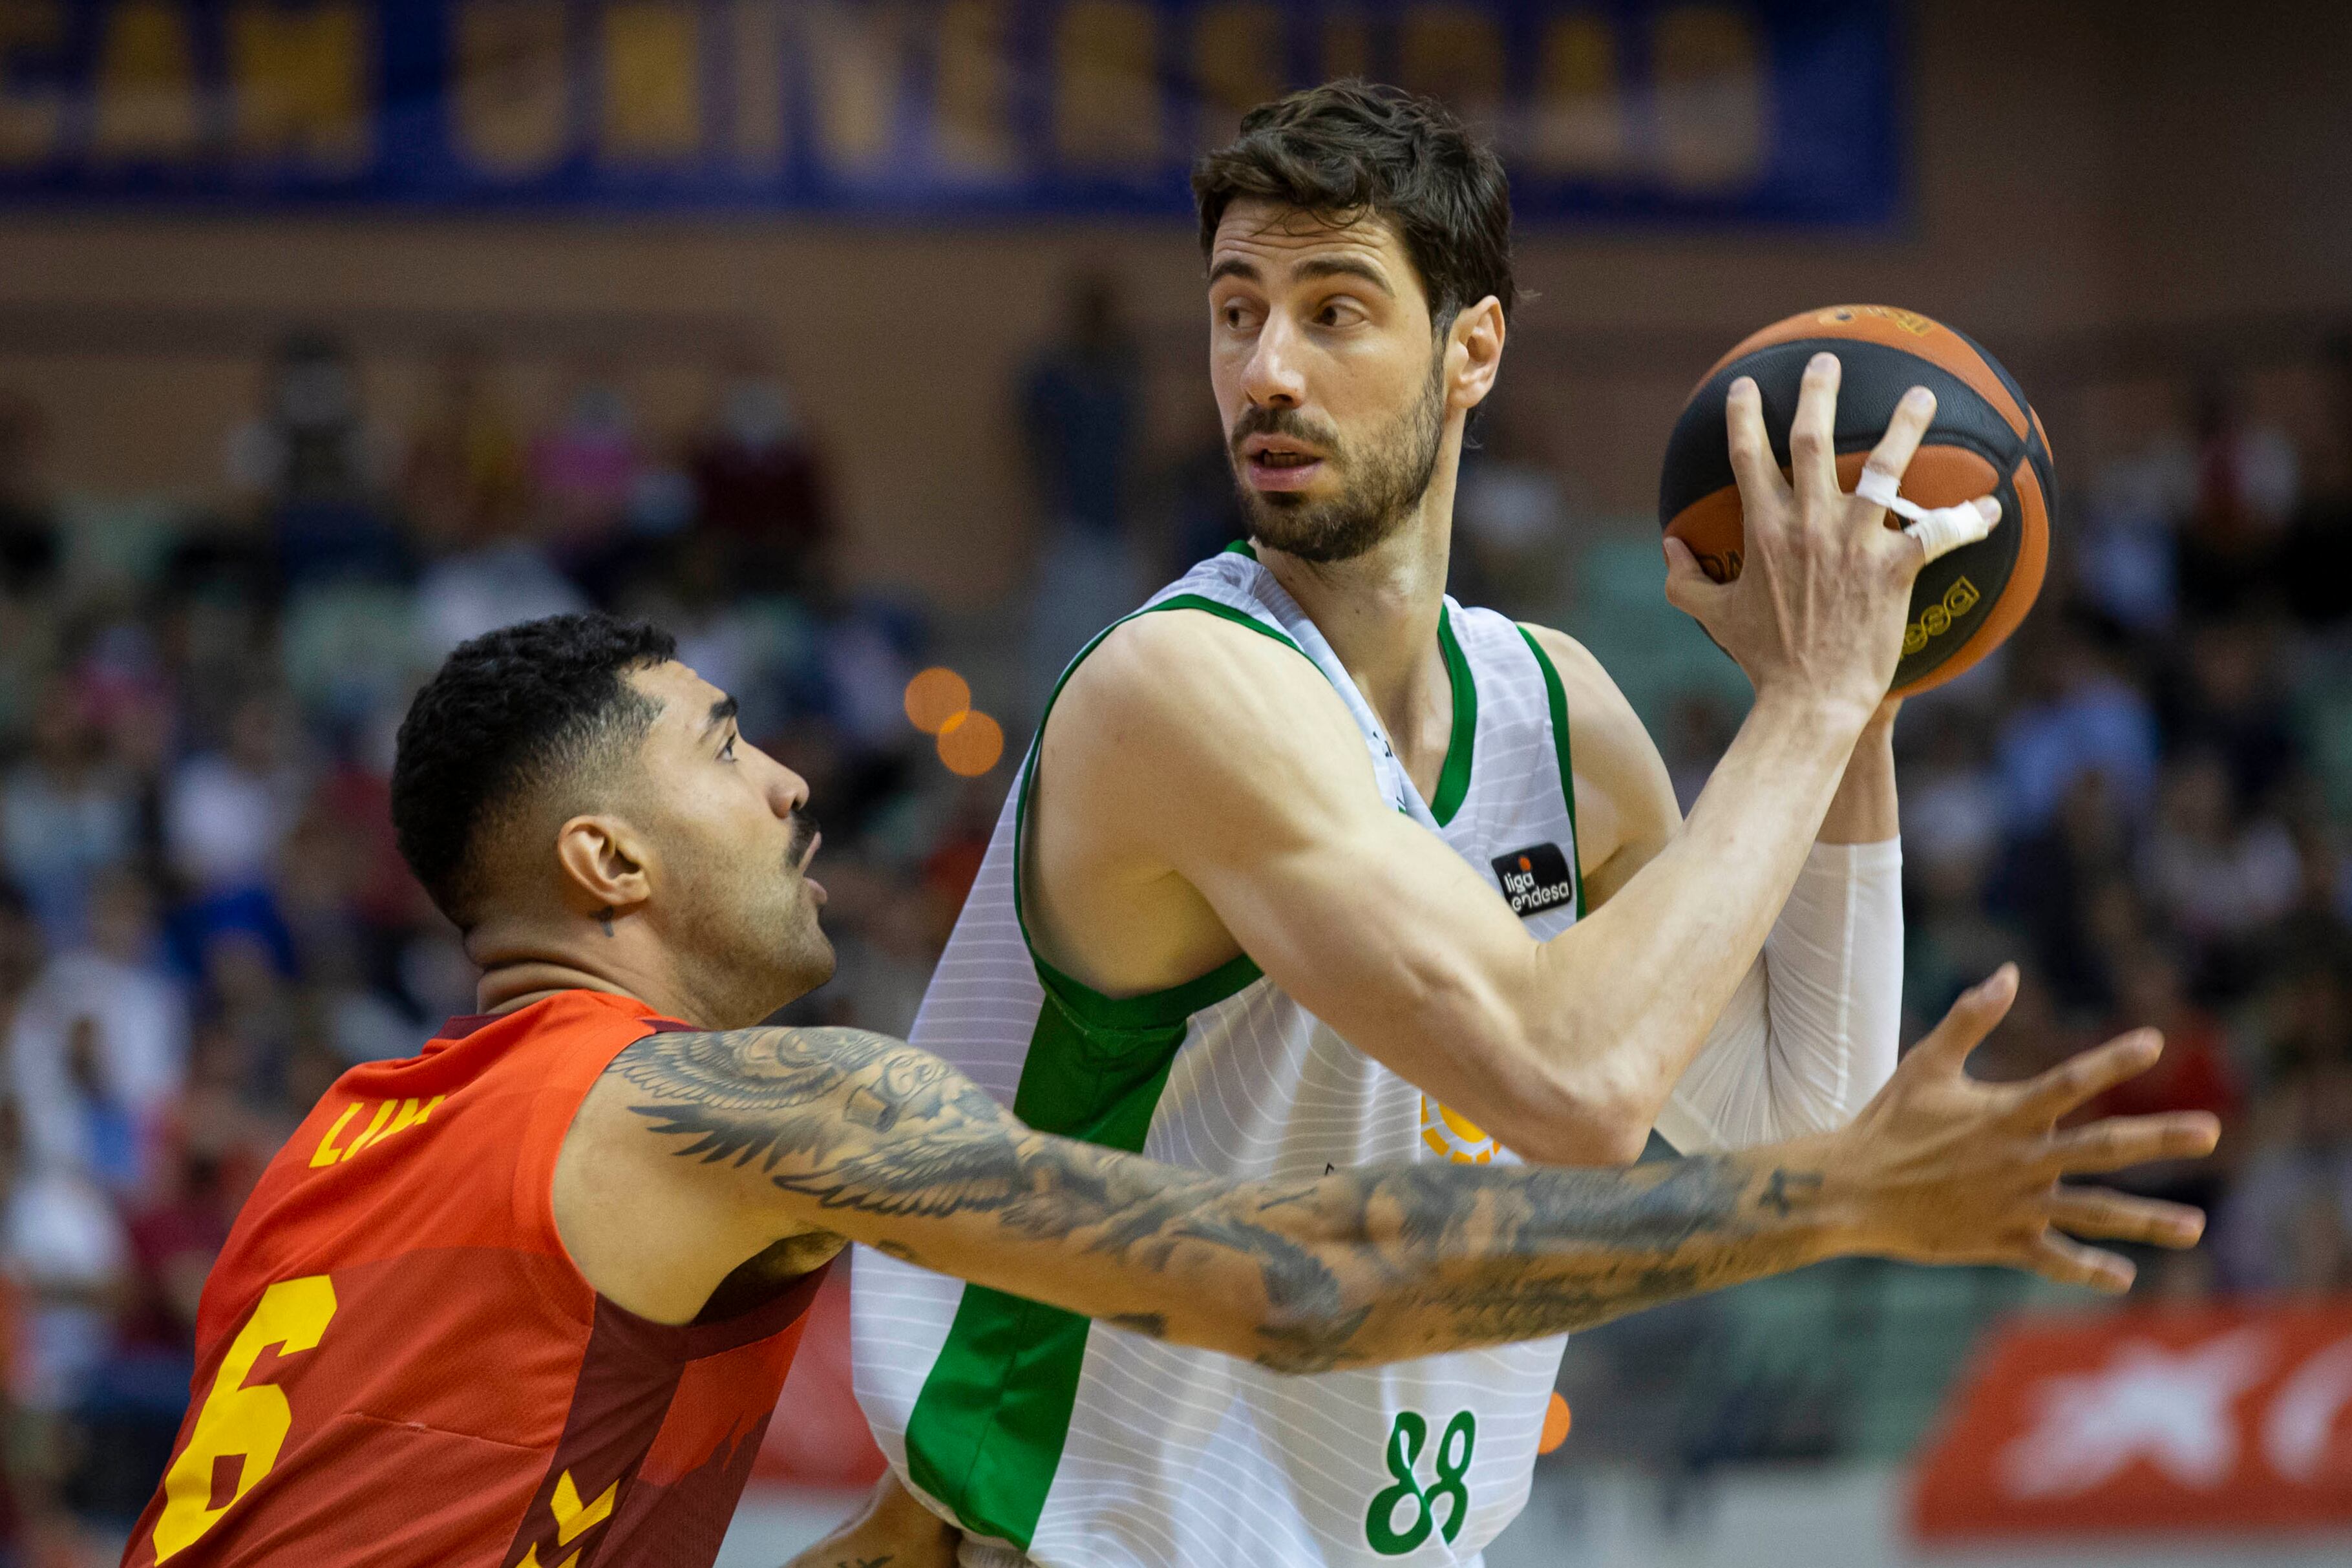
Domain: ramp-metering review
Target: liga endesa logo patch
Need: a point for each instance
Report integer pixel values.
(1536, 878)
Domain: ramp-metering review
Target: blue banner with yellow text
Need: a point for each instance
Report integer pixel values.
(1781, 111)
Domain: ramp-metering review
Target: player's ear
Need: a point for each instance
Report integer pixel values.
(603, 860)
(1474, 352)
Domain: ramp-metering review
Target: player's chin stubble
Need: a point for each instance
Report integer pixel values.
(1395, 470)
(752, 941)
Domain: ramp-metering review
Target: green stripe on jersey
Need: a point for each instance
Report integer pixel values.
(987, 1430)
(1453, 778)
(1557, 695)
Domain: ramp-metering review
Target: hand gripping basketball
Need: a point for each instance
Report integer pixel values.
(1984, 442)
(1816, 609)
(1939, 530)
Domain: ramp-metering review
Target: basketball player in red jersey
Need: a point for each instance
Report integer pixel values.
(528, 1298)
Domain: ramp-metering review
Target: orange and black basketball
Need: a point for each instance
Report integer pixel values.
(1986, 440)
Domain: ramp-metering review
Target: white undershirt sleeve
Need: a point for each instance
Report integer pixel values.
(1811, 1032)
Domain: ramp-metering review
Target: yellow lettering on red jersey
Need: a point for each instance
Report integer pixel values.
(374, 1129)
(575, 1517)
(328, 1153)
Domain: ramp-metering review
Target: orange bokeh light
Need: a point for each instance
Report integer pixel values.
(971, 743)
(936, 698)
(1555, 1426)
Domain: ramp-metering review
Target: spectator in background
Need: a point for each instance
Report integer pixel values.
(129, 1408)
(98, 1046)
(67, 813)
(2079, 714)
(63, 1246)
(466, 481)
(471, 488)
(1951, 841)
(585, 469)
(2247, 486)
(2315, 558)
(2276, 1228)
(1196, 509)
(2124, 560)
(2195, 1073)
(758, 487)
(1511, 515)
(318, 469)
(1081, 416)
(227, 811)
(504, 579)
(249, 1003)
(603, 494)
(2050, 881)
(2227, 699)
(2219, 876)
(28, 526)
(21, 951)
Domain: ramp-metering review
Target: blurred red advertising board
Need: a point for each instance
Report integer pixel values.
(2223, 1417)
(817, 1436)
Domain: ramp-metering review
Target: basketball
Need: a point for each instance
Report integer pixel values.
(1986, 440)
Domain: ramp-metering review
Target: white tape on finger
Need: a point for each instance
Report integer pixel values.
(1940, 530)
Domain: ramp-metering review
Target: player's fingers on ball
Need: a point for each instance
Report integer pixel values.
(1688, 588)
(2069, 1262)
(1893, 454)
(2088, 1073)
(1902, 551)
(2123, 1141)
(1760, 483)
(2112, 1216)
(1812, 435)
(1968, 1021)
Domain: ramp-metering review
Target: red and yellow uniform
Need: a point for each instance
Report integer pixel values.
(397, 1363)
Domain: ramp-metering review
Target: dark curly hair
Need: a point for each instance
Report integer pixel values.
(1348, 149)
(507, 714)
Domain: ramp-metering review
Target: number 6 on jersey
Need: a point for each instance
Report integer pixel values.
(245, 1424)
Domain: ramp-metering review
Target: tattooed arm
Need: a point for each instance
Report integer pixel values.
(697, 1151)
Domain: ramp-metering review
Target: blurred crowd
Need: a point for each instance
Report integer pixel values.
(2144, 798)
(203, 920)
(203, 917)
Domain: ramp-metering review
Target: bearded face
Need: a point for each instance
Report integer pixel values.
(744, 927)
(1381, 475)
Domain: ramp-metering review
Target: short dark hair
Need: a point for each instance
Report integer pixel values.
(1348, 149)
(507, 714)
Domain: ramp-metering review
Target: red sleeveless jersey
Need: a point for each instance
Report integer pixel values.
(397, 1363)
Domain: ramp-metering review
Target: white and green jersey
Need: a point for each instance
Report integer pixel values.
(1080, 1444)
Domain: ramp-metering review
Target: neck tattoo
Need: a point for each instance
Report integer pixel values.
(605, 918)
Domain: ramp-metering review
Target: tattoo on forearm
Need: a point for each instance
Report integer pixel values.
(1786, 1191)
(1353, 1266)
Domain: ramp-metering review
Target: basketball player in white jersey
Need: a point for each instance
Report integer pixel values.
(1312, 867)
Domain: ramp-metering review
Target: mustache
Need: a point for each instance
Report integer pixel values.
(804, 839)
(1265, 420)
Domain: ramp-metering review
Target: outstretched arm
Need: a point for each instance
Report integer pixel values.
(698, 1150)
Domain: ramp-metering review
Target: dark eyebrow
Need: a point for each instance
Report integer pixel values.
(1346, 267)
(720, 711)
(1234, 267)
